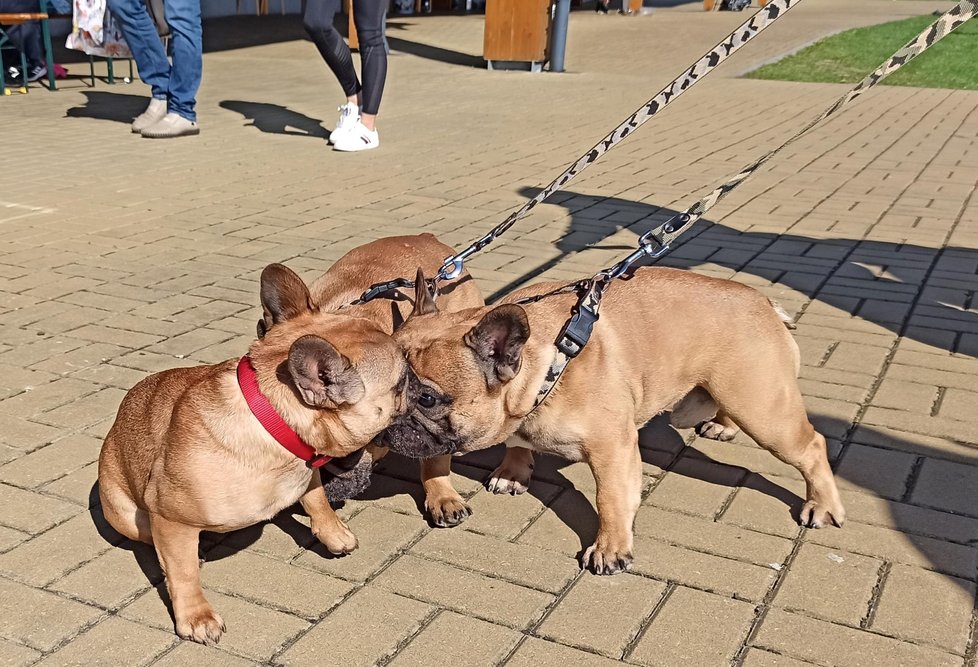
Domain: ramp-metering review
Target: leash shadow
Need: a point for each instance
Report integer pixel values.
(277, 119)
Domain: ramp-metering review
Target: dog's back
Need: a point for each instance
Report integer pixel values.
(386, 259)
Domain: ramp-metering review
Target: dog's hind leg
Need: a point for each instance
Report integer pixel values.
(721, 427)
(697, 408)
(764, 400)
(122, 513)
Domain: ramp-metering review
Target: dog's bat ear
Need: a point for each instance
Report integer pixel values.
(324, 377)
(498, 341)
(283, 294)
(424, 299)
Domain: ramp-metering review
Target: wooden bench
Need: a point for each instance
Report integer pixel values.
(18, 18)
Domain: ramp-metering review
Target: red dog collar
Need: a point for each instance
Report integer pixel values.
(271, 420)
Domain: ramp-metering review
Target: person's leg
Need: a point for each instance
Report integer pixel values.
(183, 17)
(369, 17)
(145, 44)
(318, 22)
(26, 37)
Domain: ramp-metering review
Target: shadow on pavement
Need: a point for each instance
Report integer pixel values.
(908, 289)
(118, 107)
(435, 53)
(276, 119)
(947, 544)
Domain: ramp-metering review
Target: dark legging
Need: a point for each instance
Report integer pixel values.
(368, 16)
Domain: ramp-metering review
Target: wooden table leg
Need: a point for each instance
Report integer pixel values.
(351, 29)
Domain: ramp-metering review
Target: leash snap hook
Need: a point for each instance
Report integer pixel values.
(452, 268)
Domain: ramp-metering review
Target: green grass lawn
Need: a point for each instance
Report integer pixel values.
(851, 55)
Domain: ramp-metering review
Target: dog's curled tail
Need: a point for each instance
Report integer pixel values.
(783, 315)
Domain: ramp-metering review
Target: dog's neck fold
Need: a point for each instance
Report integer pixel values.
(538, 354)
(313, 426)
(272, 420)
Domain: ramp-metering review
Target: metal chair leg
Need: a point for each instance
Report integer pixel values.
(111, 73)
(48, 53)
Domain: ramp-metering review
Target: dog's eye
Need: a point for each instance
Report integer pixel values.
(426, 400)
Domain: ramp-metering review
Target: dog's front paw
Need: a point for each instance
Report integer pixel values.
(447, 510)
(816, 514)
(716, 431)
(337, 538)
(603, 558)
(201, 624)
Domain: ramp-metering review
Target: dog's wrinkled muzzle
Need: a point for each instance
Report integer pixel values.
(408, 437)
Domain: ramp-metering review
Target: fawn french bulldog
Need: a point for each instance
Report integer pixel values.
(204, 448)
(716, 352)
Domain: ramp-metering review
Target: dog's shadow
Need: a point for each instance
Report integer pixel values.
(211, 548)
(664, 451)
(661, 447)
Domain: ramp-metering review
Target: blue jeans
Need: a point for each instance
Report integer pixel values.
(177, 84)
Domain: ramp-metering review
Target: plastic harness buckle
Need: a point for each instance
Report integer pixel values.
(382, 288)
(577, 332)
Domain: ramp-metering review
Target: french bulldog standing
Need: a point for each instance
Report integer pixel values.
(713, 350)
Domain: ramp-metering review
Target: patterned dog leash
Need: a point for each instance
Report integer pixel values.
(656, 242)
(453, 265)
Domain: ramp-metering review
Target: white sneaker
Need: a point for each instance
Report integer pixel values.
(153, 114)
(170, 126)
(357, 139)
(349, 117)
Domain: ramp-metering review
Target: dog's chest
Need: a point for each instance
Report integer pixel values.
(250, 497)
(546, 439)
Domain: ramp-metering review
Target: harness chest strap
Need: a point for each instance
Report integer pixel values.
(270, 419)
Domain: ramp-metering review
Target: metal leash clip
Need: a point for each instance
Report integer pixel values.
(452, 268)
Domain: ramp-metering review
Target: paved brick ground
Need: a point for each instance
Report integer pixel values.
(123, 256)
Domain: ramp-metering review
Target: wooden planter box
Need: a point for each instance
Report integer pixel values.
(517, 31)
